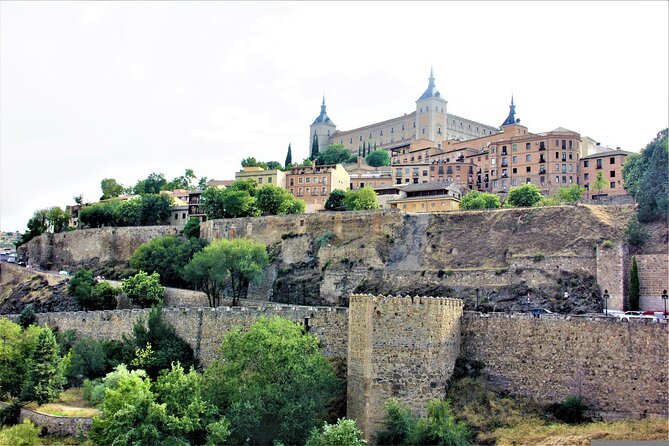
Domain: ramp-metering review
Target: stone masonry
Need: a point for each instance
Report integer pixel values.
(401, 347)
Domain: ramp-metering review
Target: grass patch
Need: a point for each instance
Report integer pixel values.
(538, 432)
(70, 403)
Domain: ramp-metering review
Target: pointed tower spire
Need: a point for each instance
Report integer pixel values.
(323, 117)
(431, 91)
(511, 119)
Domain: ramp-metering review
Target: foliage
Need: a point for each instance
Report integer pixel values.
(599, 183)
(523, 196)
(37, 225)
(607, 244)
(16, 346)
(127, 213)
(171, 411)
(275, 200)
(44, 375)
(325, 238)
(143, 289)
(91, 359)
(10, 414)
(185, 181)
(103, 296)
(272, 382)
(149, 209)
(336, 200)
(571, 410)
(81, 286)
(166, 256)
(636, 234)
(252, 162)
(238, 203)
(645, 176)
(241, 260)
(27, 316)
(570, 194)
(400, 424)
(344, 433)
(98, 215)
(94, 390)
(192, 228)
(479, 200)
(378, 158)
(57, 219)
(24, 434)
(549, 201)
(314, 148)
(155, 209)
(162, 343)
(634, 291)
(153, 184)
(289, 157)
(110, 188)
(334, 154)
(211, 202)
(361, 199)
(236, 200)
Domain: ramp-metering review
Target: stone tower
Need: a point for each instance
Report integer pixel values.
(401, 347)
(431, 114)
(323, 128)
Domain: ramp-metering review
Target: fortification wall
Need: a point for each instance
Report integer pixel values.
(90, 248)
(653, 280)
(204, 328)
(56, 425)
(402, 347)
(620, 369)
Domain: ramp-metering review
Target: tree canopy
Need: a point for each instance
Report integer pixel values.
(570, 194)
(275, 200)
(335, 201)
(143, 289)
(479, 200)
(378, 158)
(522, 196)
(166, 256)
(110, 188)
(334, 154)
(361, 199)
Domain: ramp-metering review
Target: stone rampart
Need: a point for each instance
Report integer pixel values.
(611, 273)
(91, 248)
(204, 328)
(56, 425)
(620, 369)
(401, 347)
(653, 280)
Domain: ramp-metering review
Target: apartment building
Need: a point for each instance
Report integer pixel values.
(261, 176)
(610, 165)
(364, 175)
(313, 184)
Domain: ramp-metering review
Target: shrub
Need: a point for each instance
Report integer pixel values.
(325, 238)
(143, 289)
(607, 244)
(27, 316)
(570, 194)
(192, 228)
(9, 415)
(90, 359)
(400, 424)
(548, 201)
(538, 257)
(81, 286)
(335, 201)
(571, 410)
(479, 200)
(523, 196)
(103, 296)
(636, 233)
(343, 433)
(24, 434)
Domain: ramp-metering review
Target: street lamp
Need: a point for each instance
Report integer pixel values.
(606, 301)
(664, 298)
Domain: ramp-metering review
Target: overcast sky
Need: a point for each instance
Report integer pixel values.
(91, 90)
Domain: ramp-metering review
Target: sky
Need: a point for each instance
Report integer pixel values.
(93, 90)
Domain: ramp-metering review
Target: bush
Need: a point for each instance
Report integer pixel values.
(192, 228)
(335, 201)
(325, 238)
(361, 200)
(9, 415)
(570, 194)
(91, 359)
(343, 433)
(523, 196)
(636, 233)
(24, 434)
(400, 424)
(538, 257)
(81, 286)
(378, 158)
(607, 244)
(103, 296)
(27, 316)
(143, 289)
(571, 410)
(479, 200)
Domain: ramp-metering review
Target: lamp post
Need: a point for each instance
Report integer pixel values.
(477, 299)
(606, 301)
(664, 298)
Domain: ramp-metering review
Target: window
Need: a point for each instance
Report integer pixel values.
(612, 160)
(315, 179)
(528, 169)
(557, 155)
(514, 182)
(571, 156)
(414, 124)
(360, 137)
(351, 141)
(495, 184)
(557, 180)
(323, 191)
(292, 191)
(564, 168)
(528, 146)
(564, 156)
(415, 171)
(299, 180)
(557, 143)
(260, 180)
(423, 130)
(514, 147)
(564, 144)
(307, 180)
(269, 180)
(299, 192)
(307, 189)
(503, 184)
(514, 170)
(564, 179)
(392, 129)
(399, 172)
(528, 180)
(325, 180)
(183, 216)
(406, 170)
(542, 145)
(528, 157)
(514, 159)
(571, 179)
(415, 181)
(425, 173)
(613, 174)
(176, 216)
(613, 184)
(457, 167)
(599, 163)
(586, 176)
(586, 163)
(557, 167)
(439, 131)
(402, 126)
(571, 143)
(492, 161)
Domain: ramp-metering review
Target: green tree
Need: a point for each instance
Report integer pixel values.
(599, 183)
(440, 427)
(185, 181)
(44, 375)
(78, 199)
(24, 434)
(155, 210)
(103, 297)
(570, 194)
(143, 289)
(212, 203)
(635, 232)
(653, 195)
(207, 273)
(98, 215)
(271, 165)
(378, 158)
(249, 186)
(167, 256)
(314, 148)
(523, 196)
(400, 424)
(192, 228)
(57, 219)
(274, 200)
(155, 345)
(362, 199)
(479, 200)
(27, 316)
(334, 154)
(289, 157)
(344, 433)
(81, 286)
(88, 360)
(272, 382)
(153, 184)
(16, 346)
(238, 203)
(335, 201)
(37, 225)
(128, 212)
(252, 162)
(633, 170)
(634, 292)
(110, 188)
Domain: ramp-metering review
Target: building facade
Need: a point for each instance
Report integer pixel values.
(430, 121)
(421, 198)
(610, 165)
(313, 184)
(261, 176)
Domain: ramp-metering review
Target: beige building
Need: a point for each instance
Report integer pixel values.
(610, 164)
(430, 121)
(421, 198)
(261, 176)
(362, 175)
(313, 184)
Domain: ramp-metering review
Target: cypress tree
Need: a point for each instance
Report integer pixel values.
(635, 289)
(314, 148)
(44, 378)
(289, 157)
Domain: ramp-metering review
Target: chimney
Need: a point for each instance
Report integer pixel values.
(617, 148)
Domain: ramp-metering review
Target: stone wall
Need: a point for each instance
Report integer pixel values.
(204, 328)
(402, 347)
(620, 369)
(653, 280)
(90, 248)
(56, 425)
(611, 273)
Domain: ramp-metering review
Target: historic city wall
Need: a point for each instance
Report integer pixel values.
(653, 280)
(611, 273)
(620, 369)
(401, 347)
(204, 328)
(54, 424)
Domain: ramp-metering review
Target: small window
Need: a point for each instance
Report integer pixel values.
(176, 216)
(528, 169)
(612, 160)
(586, 176)
(613, 184)
(514, 170)
(307, 180)
(269, 180)
(360, 137)
(514, 147)
(586, 163)
(259, 180)
(423, 130)
(613, 174)
(299, 180)
(528, 146)
(183, 216)
(528, 157)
